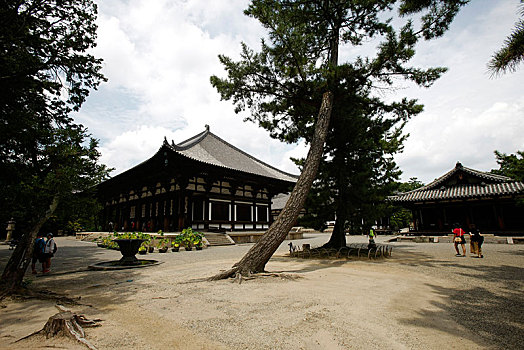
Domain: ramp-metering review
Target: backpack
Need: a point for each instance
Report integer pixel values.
(40, 246)
(55, 248)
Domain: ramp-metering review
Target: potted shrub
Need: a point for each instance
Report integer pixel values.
(196, 239)
(142, 250)
(186, 237)
(162, 245)
(175, 244)
(191, 238)
(198, 243)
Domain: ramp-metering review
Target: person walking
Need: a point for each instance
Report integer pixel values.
(38, 253)
(476, 240)
(458, 238)
(371, 237)
(473, 247)
(49, 252)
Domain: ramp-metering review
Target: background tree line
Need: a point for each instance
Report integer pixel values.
(48, 163)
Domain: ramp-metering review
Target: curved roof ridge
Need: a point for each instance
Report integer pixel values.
(458, 167)
(461, 191)
(488, 175)
(190, 142)
(249, 155)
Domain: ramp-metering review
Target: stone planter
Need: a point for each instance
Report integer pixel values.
(129, 248)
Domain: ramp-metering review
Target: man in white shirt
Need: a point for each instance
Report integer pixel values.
(49, 251)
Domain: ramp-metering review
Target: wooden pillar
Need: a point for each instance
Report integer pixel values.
(118, 218)
(500, 218)
(182, 201)
(233, 217)
(233, 189)
(207, 206)
(253, 214)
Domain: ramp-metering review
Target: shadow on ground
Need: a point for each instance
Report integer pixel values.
(71, 278)
(494, 317)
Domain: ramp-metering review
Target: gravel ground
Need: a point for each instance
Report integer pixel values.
(423, 297)
(487, 294)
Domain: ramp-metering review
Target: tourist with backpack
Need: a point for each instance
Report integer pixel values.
(371, 238)
(38, 253)
(49, 252)
(477, 239)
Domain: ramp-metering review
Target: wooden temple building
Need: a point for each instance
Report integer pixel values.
(467, 196)
(203, 182)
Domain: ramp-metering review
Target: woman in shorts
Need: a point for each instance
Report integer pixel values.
(459, 238)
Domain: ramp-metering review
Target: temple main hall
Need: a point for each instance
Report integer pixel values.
(203, 182)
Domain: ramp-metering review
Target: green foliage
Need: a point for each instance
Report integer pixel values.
(177, 241)
(411, 185)
(162, 243)
(511, 165)
(131, 235)
(508, 58)
(189, 238)
(109, 241)
(401, 218)
(282, 86)
(45, 73)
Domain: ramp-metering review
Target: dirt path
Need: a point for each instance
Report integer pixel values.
(422, 298)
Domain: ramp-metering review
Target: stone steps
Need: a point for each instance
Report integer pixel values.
(217, 239)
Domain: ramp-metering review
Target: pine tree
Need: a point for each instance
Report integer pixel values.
(284, 84)
(45, 73)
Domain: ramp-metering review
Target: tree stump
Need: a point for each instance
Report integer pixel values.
(66, 323)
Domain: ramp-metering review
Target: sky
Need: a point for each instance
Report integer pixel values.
(158, 57)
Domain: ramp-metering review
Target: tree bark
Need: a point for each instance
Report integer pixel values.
(16, 267)
(257, 257)
(67, 324)
(338, 236)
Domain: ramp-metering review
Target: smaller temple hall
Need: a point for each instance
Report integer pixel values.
(493, 203)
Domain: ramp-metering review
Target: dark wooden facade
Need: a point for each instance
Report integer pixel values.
(468, 197)
(204, 183)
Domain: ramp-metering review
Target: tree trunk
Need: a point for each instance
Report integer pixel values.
(16, 267)
(67, 324)
(257, 257)
(338, 236)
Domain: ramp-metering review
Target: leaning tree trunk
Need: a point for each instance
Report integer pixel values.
(16, 267)
(257, 257)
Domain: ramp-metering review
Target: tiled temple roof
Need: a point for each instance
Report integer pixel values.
(208, 148)
(481, 184)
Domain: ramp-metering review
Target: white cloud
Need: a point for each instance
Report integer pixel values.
(467, 115)
(133, 147)
(159, 55)
(438, 142)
